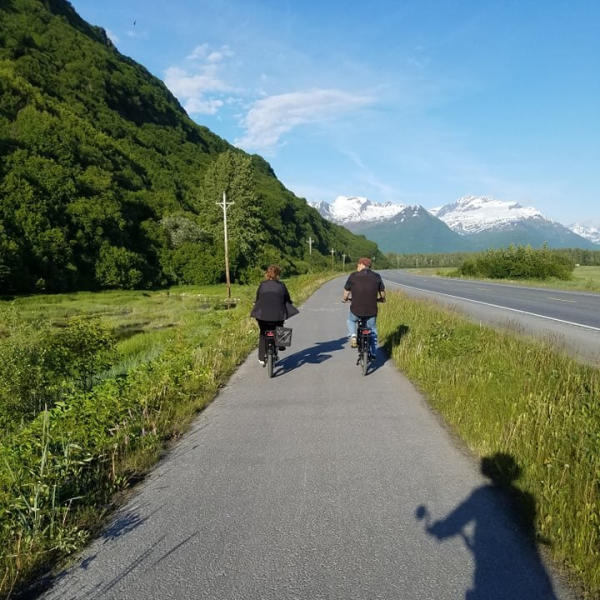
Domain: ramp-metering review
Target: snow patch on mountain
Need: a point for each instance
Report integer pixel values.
(586, 231)
(355, 209)
(408, 212)
(474, 214)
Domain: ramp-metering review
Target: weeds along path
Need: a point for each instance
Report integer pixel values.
(319, 483)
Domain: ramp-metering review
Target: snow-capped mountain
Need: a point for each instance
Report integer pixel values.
(471, 223)
(586, 231)
(472, 214)
(413, 229)
(355, 209)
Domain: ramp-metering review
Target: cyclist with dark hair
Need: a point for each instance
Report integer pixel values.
(273, 305)
(365, 287)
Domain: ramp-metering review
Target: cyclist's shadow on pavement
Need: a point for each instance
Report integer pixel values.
(315, 355)
(501, 536)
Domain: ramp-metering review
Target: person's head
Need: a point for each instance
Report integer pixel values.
(273, 272)
(363, 263)
(501, 468)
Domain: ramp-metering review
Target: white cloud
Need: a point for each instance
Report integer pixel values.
(271, 117)
(187, 86)
(197, 85)
(205, 107)
(199, 52)
(142, 35)
(112, 37)
(219, 55)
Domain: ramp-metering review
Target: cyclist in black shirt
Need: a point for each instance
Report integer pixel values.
(365, 287)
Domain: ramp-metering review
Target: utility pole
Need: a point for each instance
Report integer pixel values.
(343, 262)
(332, 253)
(225, 205)
(310, 243)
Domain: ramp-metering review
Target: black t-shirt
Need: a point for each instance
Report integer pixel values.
(364, 286)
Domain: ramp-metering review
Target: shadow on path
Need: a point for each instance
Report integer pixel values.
(501, 535)
(394, 338)
(316, 354)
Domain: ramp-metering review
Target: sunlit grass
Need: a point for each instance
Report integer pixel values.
(503, 393)
(60, 471)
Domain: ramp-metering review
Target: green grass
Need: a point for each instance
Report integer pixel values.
(60, 470)
(505, 394)
(584, 278)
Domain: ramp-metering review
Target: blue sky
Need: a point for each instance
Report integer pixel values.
(417, 101)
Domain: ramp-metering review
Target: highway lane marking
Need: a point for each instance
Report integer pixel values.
(562, 299)
(523, 312)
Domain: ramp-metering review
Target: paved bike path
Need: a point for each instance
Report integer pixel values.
(305, 487)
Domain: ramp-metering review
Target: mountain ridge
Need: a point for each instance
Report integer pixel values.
(472, 222)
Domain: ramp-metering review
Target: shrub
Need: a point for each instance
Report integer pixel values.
(519, 262)
(119, 268)
(40, 365)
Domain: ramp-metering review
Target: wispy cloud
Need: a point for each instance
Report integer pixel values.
(313, 193)
(200, 83)
(132, 33)
(271, 117)
(366, 175)
(112, 36)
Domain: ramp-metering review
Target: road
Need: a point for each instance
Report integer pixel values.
(307, 486)
(569, 319)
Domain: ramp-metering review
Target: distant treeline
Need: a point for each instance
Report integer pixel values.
(455, 259)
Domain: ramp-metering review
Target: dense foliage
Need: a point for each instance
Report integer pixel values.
(105, 182)
(518, 262)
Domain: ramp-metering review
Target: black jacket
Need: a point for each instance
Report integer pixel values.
(273, 302)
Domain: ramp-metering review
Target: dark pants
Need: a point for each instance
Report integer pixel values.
(265, 326)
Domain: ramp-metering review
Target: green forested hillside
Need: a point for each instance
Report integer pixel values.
(105, 181)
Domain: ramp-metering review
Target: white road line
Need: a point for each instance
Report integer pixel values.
(523, 312)
(562, 300)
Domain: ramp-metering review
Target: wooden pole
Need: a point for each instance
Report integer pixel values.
(225, 205)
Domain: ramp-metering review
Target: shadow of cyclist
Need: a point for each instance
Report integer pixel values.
(384, 352)
(316, 354)
(507, 562)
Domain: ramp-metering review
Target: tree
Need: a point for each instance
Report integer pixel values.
(232, 173)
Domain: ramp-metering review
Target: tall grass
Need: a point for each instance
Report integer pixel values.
(60, 468)
(504, 394)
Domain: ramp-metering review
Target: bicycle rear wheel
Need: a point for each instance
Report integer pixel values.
(364, 361)
(270, 361)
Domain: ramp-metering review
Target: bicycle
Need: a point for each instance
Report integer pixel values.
(363, 340)
(363, 343)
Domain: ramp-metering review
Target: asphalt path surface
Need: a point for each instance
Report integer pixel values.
(309, 486)
(569, 319)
